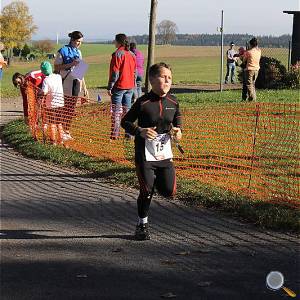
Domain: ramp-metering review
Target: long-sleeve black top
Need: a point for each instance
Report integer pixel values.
(151, 110)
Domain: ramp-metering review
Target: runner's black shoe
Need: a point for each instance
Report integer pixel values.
(142, 232)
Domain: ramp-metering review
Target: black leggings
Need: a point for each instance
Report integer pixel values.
(159, 174)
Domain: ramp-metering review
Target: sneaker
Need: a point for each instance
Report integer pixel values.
(67, 137)
(142, 232)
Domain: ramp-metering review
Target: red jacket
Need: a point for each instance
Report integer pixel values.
(122, 70)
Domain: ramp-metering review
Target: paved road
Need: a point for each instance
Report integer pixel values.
(67, 236)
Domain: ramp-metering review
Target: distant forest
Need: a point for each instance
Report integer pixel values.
(214, 40)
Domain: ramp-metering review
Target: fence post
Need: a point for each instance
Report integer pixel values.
(222, 51)
(289, 56)
(257, 113)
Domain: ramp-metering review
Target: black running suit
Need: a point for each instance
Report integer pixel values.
(150, 110)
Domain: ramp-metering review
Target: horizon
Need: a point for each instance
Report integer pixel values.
(103, 19)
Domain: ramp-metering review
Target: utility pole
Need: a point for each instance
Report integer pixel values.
(222, 51)
(151, 42)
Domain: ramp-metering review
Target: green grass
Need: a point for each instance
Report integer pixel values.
(198, 65)
(234, 96)
(267, 215)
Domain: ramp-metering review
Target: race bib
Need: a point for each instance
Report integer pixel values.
(158, 148)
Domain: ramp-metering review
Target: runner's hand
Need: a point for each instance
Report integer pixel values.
(148, 133)
(109, 93)
(177, 133)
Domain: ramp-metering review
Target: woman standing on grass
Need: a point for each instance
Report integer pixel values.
(67, 58)
(121, 82)
(157, 114)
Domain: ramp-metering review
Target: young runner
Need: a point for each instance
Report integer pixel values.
(157, 114)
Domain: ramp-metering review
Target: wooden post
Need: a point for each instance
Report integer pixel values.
(151, 42)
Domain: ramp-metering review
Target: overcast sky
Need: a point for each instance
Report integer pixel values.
(104, 18)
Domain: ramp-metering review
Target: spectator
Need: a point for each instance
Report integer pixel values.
(242, 64)
(2, 61)
(140, 70)
(66, 59)
(31, 80)
(252, 59)
(121, 82)
(54, 101)
(230, 63)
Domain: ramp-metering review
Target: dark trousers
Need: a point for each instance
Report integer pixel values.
(70, 105)
(159, 174)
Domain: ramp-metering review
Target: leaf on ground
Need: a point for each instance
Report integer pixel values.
(183, 253)
(168, 295)
(204, 283)
(168, 262)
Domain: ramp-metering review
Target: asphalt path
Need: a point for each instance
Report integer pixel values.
(66, 235)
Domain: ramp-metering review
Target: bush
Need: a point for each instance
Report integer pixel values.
(272, 74)
(292, 79)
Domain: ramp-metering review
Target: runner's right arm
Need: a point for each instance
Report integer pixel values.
(128, 121)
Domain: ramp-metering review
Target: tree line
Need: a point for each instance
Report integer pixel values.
(214, 40)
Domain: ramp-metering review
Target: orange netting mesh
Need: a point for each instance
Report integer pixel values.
(249, 148)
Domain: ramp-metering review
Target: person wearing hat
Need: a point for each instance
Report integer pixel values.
(52, 88)
(230, 54)
(2, 61)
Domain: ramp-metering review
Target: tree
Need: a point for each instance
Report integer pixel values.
(44, 46)
(16, 24)
(151, 42)
(166, 30)
(25, 51)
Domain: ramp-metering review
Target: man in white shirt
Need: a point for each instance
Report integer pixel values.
(230, 54)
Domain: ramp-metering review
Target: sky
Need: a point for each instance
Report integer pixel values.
(102, 19)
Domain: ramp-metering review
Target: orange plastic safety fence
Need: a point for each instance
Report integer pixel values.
(249, 148)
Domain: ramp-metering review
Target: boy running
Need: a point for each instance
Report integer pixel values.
(157, 114)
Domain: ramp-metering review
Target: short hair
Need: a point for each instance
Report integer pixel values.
(15, 77)
(75, 35)
(154, 70)
(253, 42)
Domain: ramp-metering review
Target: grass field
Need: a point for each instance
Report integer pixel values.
(191, 64)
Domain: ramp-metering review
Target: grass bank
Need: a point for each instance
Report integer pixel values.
(266, 215)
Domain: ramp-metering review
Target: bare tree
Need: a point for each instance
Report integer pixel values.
(151, 42)
(166, 30)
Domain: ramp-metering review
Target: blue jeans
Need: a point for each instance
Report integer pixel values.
(1, 73)
(138, 89)
(230, 69)
(121, 103)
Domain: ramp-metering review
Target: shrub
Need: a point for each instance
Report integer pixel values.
(292, 79)
(272, 74)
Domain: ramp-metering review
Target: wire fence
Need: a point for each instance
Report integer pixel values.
(249, 148)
